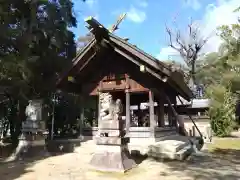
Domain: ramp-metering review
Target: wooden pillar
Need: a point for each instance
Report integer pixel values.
(81, 117)
(174, 101)
(128, 114)
(171, 116)
(139, 115)
(99, 108)
(99, 102)
(151, 112)
(161, 121)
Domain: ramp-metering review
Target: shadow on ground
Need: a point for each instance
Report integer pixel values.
(138, 158)
(15, 169)
(221, 164)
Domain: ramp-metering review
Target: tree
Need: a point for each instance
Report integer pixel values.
(207, 72)
(224, 67)
(222, 110)
(189, 47)
(238, 9)
(36, 44)
(223, 71)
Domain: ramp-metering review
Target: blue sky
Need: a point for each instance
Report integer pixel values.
(146, 19)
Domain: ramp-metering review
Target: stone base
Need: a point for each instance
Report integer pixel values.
(116, 141)
(179, 155)
(175, 147)
(112, 159)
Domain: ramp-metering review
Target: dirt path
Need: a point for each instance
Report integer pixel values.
(74, 166)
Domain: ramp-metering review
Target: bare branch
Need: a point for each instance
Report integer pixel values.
(188, 45)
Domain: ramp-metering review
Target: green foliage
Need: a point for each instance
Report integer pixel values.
(66, 112)
(220, 73)
(238, 9)
(207, 72)
(222, 110)
(36, 45)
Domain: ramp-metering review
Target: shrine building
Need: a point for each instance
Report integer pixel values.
(147, 87)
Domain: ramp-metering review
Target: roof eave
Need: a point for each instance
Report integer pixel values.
(75, 61)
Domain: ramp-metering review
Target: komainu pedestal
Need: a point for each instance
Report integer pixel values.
(112, 152)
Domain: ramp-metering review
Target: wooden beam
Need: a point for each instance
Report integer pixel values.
(95, 27)
(75, 62)
(162, 78)
(114, 27)
(144, 79)
(86, 62)
(159, 66)
(88, 71)
(142, 55)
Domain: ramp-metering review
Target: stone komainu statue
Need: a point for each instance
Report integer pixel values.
(110, 110)
(110, 115)
(114, 154)
(31, 112)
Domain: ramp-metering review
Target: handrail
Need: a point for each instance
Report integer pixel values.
(192, 120)
(176, 114)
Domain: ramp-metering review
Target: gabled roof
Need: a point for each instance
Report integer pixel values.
(153, 66)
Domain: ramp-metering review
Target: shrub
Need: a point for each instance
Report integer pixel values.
(221, 110)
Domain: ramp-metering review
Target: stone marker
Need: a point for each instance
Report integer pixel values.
(112, 153)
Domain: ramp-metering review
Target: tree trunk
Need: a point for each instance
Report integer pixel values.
(4, 132)
(20, 141)
(193, 73)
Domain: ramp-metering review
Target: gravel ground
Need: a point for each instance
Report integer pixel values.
(74, 166)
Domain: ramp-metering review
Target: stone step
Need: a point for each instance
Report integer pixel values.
(180, 155)
(177, 148)
(174, 147)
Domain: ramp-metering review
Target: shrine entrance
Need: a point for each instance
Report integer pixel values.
(139, 107)
(147, 87)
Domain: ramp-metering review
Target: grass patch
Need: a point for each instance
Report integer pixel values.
(224, 143)
(226, 149)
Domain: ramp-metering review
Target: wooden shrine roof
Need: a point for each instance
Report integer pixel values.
(102, 37)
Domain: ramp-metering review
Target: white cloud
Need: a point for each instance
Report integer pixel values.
(215, 16)
(167, 53)
(142, 3)
(91, 3)
(194, 4)
(136, 15)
